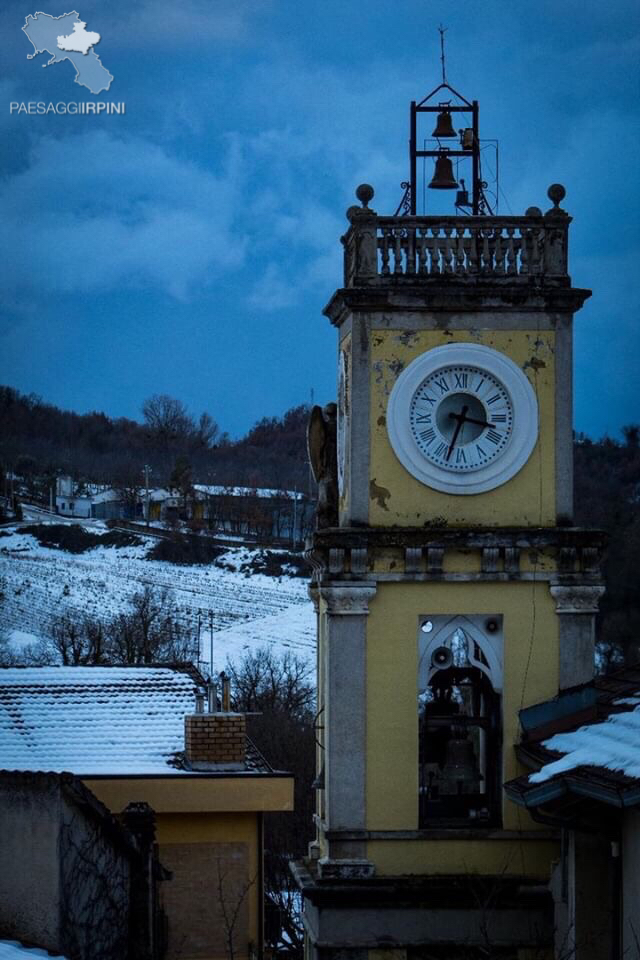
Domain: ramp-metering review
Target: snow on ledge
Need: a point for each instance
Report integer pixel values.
(613, 744)
(12, 950)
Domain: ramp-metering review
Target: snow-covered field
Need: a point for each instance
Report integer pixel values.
(247, 610)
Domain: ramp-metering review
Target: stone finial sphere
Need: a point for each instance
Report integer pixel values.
(364, 193)
(533, 212)
(556, 193)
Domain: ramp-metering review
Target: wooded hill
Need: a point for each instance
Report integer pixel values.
(39, 441)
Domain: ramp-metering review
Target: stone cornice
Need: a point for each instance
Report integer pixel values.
(457, 537)
(458, 295)
(353, 554)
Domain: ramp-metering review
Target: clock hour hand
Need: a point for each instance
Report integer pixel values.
(460, 417)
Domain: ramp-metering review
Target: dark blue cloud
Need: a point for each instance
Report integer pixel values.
(190, 245)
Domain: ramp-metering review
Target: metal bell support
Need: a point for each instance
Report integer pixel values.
(461, 766)
(443, 178)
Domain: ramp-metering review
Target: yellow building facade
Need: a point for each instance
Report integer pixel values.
(209, 835)
(452, 589)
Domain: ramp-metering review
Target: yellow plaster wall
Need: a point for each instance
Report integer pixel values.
(512, 857)
(530, 676)
(185, 794)
(462, 561)
(221, 828)
(527, 499)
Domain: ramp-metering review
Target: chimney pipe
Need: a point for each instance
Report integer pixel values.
(212, 696)
(199, 701)
(226, 692)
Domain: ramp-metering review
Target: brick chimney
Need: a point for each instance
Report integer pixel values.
(215, 740)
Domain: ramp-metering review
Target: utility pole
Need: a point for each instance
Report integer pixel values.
(211, 643)
(147, 470)
(295, 517)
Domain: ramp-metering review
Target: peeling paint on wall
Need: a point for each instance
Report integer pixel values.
(379, 494)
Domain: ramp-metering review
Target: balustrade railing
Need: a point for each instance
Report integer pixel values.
(457, 247)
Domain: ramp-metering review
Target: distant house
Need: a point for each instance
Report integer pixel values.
(583, 751)
(94, 501)
(163, 504)
(254, 511)
(132, 734)
(72, 500)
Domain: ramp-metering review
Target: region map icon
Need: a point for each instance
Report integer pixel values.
(66, 38)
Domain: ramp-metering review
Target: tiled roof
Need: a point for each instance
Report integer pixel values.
(598, 758)
(94, 720)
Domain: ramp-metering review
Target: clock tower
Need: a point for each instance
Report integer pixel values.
(451, 586)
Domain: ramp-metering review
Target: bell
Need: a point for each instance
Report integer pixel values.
(443, 178)
(444, 127)
(461, 767)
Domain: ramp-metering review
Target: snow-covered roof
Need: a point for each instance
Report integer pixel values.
(12, 950)
(262, 492)
(105, 496)
(613, 744)
(160, 494)
(93, 720)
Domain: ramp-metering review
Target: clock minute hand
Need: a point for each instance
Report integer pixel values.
(481, 423)
(460, 417)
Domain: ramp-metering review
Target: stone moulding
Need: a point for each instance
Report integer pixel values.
(577, 598)
(349, 553)
(352, 598)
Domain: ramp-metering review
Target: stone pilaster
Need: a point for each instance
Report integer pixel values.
(576, 606)
(345, 724)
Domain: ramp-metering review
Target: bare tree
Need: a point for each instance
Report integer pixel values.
(231, 897)
(279, 688)
(167, 418)
(78, 641)
(207, 431)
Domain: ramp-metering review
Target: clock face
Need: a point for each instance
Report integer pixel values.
(462, 418)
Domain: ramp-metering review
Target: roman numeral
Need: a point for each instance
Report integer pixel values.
(499, 417)
(423, 418)
(462, 380)
(481, 452)
(480, 384)
(428, 399)
(460, 456)
(443, 385)
(440, 449)
(427, 436)
(494, 436)
(494, 398)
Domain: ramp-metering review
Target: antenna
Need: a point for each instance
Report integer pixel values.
(442, 30)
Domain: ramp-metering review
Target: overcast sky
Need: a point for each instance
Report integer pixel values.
(189, 246)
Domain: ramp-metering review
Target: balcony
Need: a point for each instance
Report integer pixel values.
(416, 250)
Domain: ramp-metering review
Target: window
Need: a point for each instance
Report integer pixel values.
(459, 686)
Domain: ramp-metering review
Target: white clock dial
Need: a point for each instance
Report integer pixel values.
(462, 418)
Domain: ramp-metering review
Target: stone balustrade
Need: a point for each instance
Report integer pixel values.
(420, 249)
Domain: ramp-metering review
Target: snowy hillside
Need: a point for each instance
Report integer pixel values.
(249, 609)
